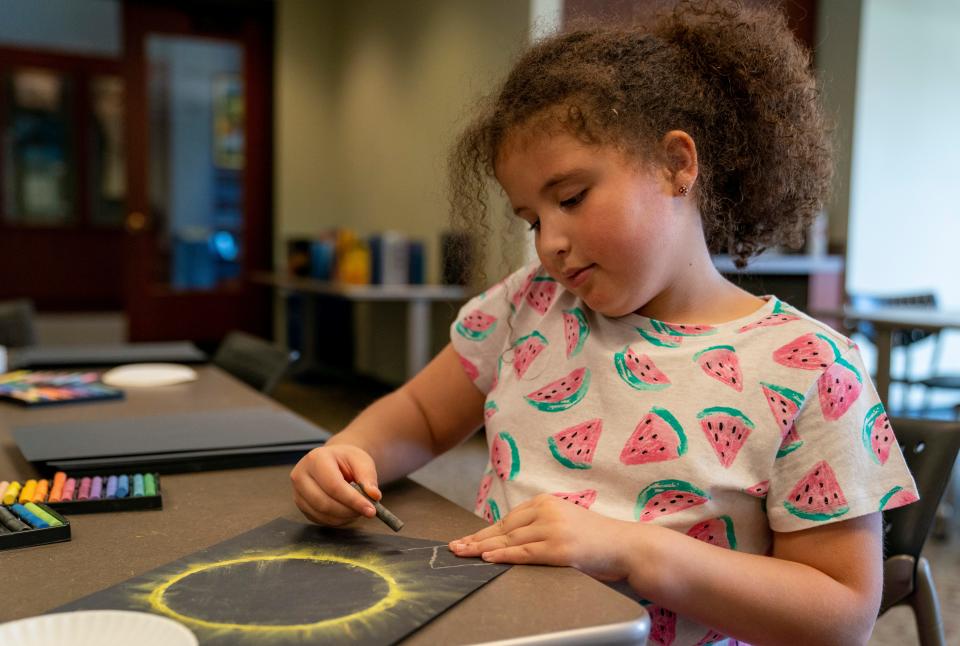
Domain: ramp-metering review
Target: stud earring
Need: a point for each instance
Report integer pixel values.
(682, 190)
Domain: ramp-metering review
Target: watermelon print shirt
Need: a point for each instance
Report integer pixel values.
(723, 432)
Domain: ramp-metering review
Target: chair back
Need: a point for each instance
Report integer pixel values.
(930, 448)
(16, 323)
(873, 302)
(252, 360)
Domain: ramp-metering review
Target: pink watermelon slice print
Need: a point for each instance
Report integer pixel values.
(575, 330)
(496, 377)
(721, 363)
(790, 443)
(491, 512)
(574, 447)
(541, 292)
(877, 435)
(784, 403)
(807, 352)
(469, 368)
(665, 497)
(483, 491)
(716, 531)
(778, 316)
(839, 387)
(583, 498)
(518, 295)
(639, 371)
(526, 349)
(897, 497)
(657, 438)
(727, 429)
(476, 326)
(663, 628)
(561, 394)
(490, 409)
(681, 329)
(817, 495)
(712, 637)
(758, 490)
(505, 457)
(660, 340)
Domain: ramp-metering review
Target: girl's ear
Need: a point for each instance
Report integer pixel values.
(680, 153)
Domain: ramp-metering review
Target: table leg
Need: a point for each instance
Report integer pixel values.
(418, 335)
(308, 340)
(884, 350)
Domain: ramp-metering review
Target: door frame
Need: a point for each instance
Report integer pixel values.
(156, 312)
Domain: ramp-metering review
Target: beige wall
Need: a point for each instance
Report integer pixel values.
(369, 95)
(837, 57)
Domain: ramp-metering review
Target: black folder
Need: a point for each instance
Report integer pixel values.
(171, 443)
(114, 354)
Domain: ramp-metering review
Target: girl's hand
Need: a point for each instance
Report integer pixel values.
(550, 531)
(321, 484)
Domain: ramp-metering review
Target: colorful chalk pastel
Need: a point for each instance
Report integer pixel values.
(12, 494)
(56, 492)
(138, 485)
(84, 493)
(69, 488)
(41, 513)
(11, 522)
(3, 488)
(43, 487)
(96, 488)
(383, 513)
(123, 486)
(149, 485)
(29, 517)
(112, 487)
(26, 494)
(3, 529)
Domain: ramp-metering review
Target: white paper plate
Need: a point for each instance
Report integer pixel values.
(96, 628)
(149, 374)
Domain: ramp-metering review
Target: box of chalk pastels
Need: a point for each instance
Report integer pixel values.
(88, 494)
(31, 524)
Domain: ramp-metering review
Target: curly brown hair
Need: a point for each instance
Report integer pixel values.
(734, 78)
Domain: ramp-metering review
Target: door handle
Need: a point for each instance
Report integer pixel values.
(135, 222)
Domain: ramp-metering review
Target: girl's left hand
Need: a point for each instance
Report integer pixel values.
(547, 530)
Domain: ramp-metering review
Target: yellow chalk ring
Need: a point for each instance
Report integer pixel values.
(158, 603)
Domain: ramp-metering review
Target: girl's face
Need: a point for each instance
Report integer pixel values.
(605, 224)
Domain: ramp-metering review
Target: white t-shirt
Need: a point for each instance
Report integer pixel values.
(725, 432)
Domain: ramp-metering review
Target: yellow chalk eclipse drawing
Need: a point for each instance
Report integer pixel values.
(393, 596)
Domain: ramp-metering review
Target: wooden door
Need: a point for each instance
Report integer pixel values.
(198, 217)
(61, 179)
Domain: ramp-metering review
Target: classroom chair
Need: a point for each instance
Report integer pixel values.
(16, 323)
(253, 360)
(930, 448)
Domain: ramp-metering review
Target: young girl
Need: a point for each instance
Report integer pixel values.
(649, 421)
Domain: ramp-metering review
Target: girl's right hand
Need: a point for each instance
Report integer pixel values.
(321, 484)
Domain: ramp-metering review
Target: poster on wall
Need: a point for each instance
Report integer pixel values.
(228, 139)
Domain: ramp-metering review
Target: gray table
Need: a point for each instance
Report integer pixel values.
(886, 321)
(417, 298)
(201, 509)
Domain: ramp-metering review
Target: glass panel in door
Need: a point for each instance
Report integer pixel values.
(196, 160)
(38, 152)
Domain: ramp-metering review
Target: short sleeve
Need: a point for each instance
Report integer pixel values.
(483, 327)
(841, 459)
